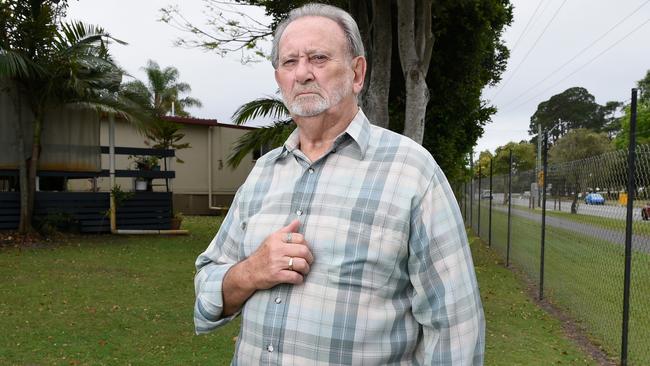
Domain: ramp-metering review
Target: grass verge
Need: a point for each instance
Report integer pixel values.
(583, 276)
(119, 300)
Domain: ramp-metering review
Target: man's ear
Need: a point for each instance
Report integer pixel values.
(359, 68)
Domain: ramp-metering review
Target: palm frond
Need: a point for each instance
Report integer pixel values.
(78, 35)
(270, 107)
(265, 137)
(14, 64)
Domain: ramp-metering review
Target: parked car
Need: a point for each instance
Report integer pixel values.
(594, 199)
(485, 194)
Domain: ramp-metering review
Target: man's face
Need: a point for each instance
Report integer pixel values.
(315, 71)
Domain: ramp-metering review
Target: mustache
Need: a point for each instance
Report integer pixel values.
(308, 88)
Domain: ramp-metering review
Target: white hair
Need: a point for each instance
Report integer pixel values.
(341, 17)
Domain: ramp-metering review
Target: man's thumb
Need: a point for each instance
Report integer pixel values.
(292, 227)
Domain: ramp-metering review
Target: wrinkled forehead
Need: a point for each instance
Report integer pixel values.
(312, 32)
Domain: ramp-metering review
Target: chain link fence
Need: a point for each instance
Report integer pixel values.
(577, 258)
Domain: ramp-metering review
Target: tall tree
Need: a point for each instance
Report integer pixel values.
(571, 109)
(579, 144)
(523, 157)
(163, 90)
(47, 64)
(642, 117)
(483, 164)
(468, 54)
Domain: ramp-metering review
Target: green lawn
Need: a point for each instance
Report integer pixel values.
(518, 332)
(584, 276)
(118, 300)
(110, 300)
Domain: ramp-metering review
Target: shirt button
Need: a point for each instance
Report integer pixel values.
(299, 212)
(269, 348)
(243, 226)
(311, 170)
(278, 300)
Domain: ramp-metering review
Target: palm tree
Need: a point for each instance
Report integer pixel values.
(161, 96)
(163, 90)
(265, 137)
(45, 64)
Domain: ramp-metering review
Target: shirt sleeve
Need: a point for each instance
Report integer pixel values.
(212, 266)
(445, 300)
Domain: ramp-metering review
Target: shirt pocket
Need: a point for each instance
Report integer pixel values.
(369, 250)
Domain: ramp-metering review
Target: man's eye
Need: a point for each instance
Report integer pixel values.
(289, 62)
(319, 58)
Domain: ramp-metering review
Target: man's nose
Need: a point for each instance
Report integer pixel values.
(304, 72)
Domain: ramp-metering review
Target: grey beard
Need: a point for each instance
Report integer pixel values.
(308, 108)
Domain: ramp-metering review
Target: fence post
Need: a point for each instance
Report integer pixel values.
(631, 173)
(509, 207)
(541, 256)
(490, 210)
(465, 200)
(471, 190)
(478, 222)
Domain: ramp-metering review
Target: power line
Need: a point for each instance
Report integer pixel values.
(530, 50)
(583, 65)
(577, 55)
(526, 27)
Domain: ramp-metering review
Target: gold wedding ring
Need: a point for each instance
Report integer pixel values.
(291, 263)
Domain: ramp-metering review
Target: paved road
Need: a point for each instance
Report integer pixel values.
(610, 211)
(639, 242)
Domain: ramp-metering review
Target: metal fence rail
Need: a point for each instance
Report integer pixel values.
(582, 266)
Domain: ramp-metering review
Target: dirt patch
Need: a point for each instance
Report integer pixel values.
(14, 239)
(571, 328)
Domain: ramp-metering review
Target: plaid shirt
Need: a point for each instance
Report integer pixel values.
(392, 280)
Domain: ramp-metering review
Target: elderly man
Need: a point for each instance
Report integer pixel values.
(346, 245)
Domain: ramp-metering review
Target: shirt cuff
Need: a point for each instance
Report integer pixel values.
(208, 307)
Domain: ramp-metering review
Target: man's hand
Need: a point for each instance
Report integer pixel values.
(268, 266)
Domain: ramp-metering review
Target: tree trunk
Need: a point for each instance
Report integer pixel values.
(376, 98)
(33, 168)
(415, 41)
(25, 223)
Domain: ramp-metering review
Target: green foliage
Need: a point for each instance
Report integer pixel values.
(120, 196)
(56, 222)
(262, 138)
(166, 135)
(268, 107)
(644, 88)
(483, 164)
(144, 162)
(571, 109)
(161, 91)
(265, 137)
(579, 144)
(468, 55)
(642, 117)
(48, 64)
(524, 157)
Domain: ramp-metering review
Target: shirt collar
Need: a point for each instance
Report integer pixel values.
(358, 130)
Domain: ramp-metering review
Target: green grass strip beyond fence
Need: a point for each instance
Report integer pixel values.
(583, 276)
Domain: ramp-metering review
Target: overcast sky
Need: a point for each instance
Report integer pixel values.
(608, 63)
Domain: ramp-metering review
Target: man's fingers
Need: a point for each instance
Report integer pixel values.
(300, 265)
(296, 238)
(292, 227)
(299, 251)
(292, 277)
